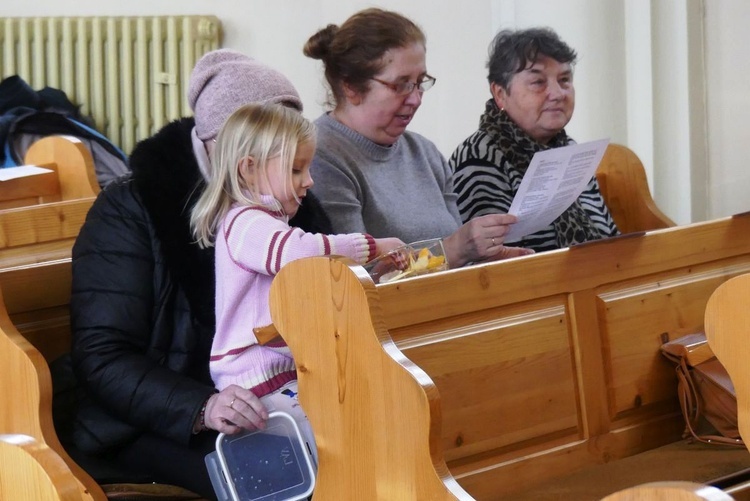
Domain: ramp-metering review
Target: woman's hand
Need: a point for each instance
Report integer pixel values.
(481, 239)
(509, 252)
(234, 409)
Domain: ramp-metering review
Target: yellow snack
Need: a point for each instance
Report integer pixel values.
(435, 261)
(412, 262)
(422, 261)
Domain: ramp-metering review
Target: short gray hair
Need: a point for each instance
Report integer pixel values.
(512, 51)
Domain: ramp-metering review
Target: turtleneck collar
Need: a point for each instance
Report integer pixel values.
(374, 150)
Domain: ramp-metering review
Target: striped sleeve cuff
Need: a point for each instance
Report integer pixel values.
(372, 248)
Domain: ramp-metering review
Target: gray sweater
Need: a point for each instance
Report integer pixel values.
(404, 190)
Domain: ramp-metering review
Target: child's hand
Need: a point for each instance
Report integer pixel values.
(386, 245)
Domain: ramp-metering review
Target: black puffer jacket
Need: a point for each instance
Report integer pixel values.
(142, 306)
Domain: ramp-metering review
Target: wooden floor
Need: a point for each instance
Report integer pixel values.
(684, 460)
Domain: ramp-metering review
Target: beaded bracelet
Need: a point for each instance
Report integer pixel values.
(202, 419)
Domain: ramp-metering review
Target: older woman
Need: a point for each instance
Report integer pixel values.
(370, 173)
(531, 81)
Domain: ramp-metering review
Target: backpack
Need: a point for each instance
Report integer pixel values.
(27, 116)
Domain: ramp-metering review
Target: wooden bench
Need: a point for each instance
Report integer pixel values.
(45, 232)
(43, 291)
(35, 286)
(544, 365)
(34, 325)
(40, 229)
(72, 177)
(727, 323)
(35, 332)
(40, 216)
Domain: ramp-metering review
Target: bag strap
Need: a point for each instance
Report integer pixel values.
(692, 408)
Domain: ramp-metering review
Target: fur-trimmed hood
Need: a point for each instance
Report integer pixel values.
(169, 181)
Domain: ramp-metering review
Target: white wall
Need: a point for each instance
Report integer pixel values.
(640, 77)
(728, 105)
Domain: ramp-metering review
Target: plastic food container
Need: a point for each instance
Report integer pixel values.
(414, 259)
(273, 464)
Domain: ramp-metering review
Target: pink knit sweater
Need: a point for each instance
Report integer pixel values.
(252, 245)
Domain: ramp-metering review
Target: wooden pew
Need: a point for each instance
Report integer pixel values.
(45, 232)
(38, 232)
(40, 217)
(727, 323)
(72, 177)
(532, 369)
(43, 291)
(34, 329)
(34, 252)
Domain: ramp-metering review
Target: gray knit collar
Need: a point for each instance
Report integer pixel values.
(370, 148)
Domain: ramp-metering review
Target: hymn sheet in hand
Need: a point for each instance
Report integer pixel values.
(554, 180)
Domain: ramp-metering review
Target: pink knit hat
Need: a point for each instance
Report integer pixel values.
(224, 79)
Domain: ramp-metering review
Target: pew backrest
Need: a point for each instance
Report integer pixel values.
(72, 174)
(46, 231)
(624, 187)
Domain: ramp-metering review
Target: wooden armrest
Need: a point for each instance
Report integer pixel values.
(267, 334)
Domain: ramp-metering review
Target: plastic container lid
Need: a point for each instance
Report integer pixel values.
(266, 465)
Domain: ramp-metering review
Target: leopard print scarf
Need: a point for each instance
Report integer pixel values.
(574, 225)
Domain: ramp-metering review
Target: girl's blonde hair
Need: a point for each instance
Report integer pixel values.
(261, 131)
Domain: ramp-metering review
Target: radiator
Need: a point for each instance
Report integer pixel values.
(129, 74)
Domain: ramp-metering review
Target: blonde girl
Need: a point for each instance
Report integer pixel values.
(260, 164)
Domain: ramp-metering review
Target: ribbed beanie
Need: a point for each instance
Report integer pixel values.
(224, 79)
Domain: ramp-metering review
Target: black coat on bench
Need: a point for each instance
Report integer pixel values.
(142, 304)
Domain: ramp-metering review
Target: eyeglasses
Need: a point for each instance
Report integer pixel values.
(404, 88)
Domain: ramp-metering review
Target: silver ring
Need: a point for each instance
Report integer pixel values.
(232, 403)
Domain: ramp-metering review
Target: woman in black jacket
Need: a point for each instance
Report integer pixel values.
(142, 306)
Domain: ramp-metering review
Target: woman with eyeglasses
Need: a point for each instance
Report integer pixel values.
(371, 174)
(533, 97)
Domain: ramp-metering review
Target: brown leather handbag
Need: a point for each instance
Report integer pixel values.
(704, 389)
